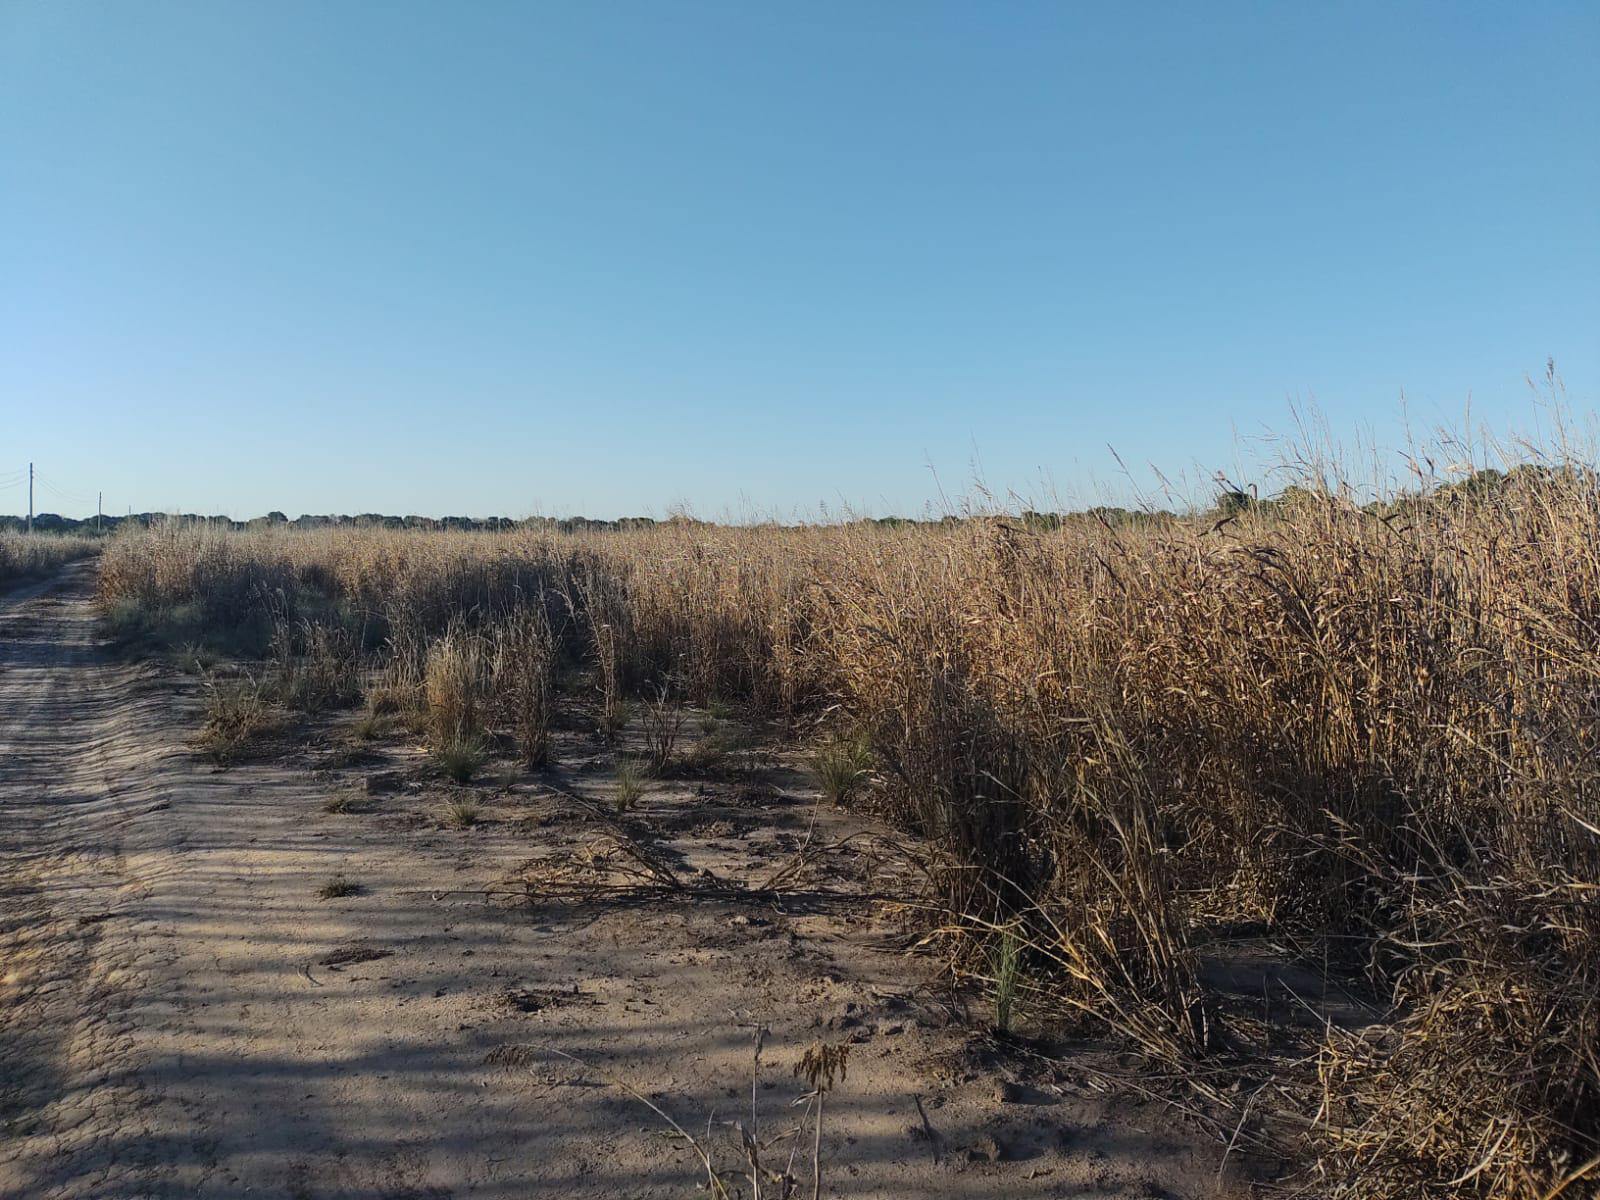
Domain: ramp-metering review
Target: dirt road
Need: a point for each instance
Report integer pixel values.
(182, 1014)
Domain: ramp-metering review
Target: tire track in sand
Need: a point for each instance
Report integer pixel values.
(79, 785)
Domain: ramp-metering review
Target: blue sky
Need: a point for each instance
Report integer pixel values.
(759, 258)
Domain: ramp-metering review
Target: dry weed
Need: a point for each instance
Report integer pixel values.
(1368, 728)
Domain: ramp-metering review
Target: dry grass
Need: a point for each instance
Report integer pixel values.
(629, 785)
(1369, 731)
(525, 653)
(453, 685)
(841, 766)
(462, 812)
(753, 1163)
(315, 666)
(338, 887)
(237, 714)
(663, 726)
(371, 725)
(35, 555)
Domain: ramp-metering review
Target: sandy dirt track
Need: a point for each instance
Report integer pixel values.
(181, 1015)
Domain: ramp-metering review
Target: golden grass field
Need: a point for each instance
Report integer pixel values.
(1366, 736)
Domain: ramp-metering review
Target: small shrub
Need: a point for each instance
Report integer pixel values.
(663, 723)
(338, 886)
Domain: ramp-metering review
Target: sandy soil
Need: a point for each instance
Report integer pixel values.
(182, 1015)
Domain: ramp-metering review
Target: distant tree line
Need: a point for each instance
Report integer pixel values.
(55, 523)
(1478, 485)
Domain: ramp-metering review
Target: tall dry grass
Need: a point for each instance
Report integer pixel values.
(34, 555)
(1369, 731)
(523, 676)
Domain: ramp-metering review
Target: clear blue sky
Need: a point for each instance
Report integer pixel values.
(605, 257)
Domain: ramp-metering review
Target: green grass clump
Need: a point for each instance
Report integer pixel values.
(461, 756)
(1007, 979)
(841, 767)
(630, 785)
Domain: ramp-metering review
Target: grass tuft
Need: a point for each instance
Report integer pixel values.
(462, 811)
(236, 716)
(461, 757)
(629, 785)
(338, 886)
(370, 726)
(1007, 978)
(841, 767)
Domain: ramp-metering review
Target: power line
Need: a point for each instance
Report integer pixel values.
(13, 479)
(60, 494)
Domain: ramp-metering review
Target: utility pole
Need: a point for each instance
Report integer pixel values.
(99, 507)
(30, 497)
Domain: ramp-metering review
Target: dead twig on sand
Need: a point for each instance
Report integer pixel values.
(713, 1181)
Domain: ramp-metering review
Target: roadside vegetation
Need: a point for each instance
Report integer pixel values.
(36, 555)
(1365, 733)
